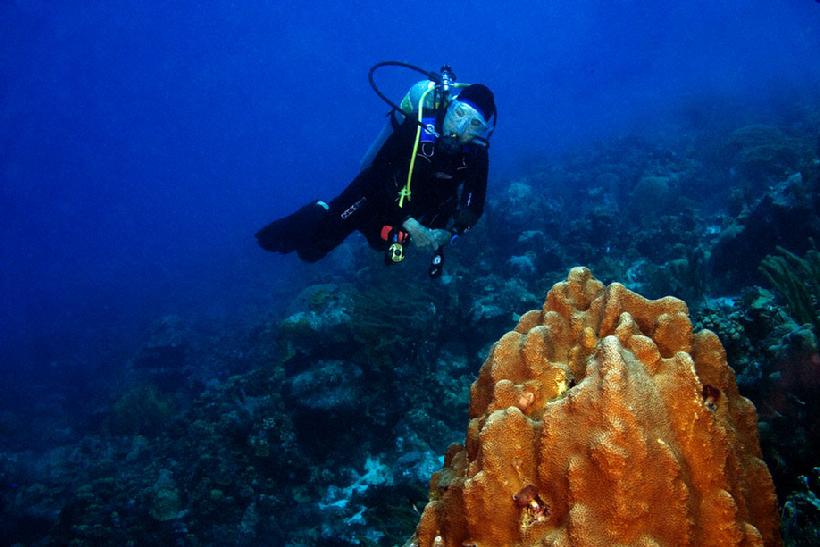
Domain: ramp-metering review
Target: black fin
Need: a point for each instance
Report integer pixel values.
(287, 234)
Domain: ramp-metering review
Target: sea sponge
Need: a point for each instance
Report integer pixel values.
(634, 434)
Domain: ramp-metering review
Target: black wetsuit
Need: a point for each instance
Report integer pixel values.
(447, 191)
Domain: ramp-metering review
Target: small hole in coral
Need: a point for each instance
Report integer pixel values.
(534, 509)
(711, 396)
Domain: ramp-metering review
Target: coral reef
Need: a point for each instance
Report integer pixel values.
(162, 359)
(797, 279)
(801, 513)
(604, 419)
(165, 504)
(786, 216)
(263, 425)
(142, 410)
(762, 153)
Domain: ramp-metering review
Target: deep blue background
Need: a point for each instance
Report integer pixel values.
(142, 143)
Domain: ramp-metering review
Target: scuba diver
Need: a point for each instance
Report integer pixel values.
(423, 181)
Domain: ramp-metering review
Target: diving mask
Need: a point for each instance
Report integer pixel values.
(464, 122)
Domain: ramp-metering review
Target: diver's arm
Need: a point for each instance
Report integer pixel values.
(473, 195)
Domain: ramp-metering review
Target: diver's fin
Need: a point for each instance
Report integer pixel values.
(287, 234)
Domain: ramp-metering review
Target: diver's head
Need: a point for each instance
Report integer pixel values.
(469, 114)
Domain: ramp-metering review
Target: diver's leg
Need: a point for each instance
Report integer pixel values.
(346, 213)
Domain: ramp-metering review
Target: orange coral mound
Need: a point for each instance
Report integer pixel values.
(604, 420)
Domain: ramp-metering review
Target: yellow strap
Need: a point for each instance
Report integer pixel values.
(405, 192)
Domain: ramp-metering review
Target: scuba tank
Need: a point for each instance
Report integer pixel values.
(408, 108)
(426, 103)
(428, 95)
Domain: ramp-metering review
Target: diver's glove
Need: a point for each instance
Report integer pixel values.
(425, 238)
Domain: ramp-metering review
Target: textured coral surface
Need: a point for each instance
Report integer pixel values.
(602, 419)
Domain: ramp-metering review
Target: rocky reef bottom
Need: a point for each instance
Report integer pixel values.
(322, 421)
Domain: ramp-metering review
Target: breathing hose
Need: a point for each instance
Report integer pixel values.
(445, 78)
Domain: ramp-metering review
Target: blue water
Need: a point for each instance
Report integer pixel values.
(143, 143)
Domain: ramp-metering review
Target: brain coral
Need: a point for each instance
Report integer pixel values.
(602, 419)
